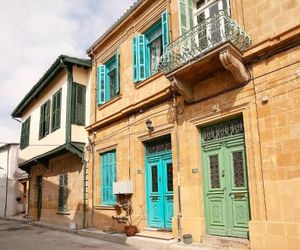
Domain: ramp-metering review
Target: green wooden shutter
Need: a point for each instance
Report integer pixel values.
(56, 110)
(139, 58)
(135, 59)
(117, 62)
(42, 115)
(165, 29)
(101, 84)
(47, 117)
(80, 104)
(108, 176)
(25, 132)
(141, 47)
(63, 193)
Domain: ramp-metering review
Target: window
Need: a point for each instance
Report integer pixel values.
(148, 48)
(78, 104)
(25, 134)
(63, 193)
(44, 120)
(56, 108)
(108, 79)
(108, 176)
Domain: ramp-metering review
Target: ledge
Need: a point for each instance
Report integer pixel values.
(63, 213)
(113, 100)
(148, 80)
(104, 207)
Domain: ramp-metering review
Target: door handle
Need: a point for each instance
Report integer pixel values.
(223, 173)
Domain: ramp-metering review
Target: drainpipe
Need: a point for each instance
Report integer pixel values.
(6, 187)
(179, 215)
(84, 192)
(28, 196)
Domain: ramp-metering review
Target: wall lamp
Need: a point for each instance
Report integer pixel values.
(149, 125)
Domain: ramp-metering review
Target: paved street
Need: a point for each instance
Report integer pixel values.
(15, 236)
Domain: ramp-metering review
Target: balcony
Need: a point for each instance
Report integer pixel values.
(213, 45)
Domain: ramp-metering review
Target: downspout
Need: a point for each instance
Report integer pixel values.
(28, 196)
(179, 215)
(84, 192)
(6, 187)
(93, 177)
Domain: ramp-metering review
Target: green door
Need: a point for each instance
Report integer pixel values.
(225, 179)
(39, 196)
(159, 179)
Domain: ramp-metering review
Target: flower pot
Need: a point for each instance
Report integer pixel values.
(130, 230)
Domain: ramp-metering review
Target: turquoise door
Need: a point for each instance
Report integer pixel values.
(225, 179)
(159, 179)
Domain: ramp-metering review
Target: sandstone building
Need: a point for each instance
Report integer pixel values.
(195, 104)
(53, 115)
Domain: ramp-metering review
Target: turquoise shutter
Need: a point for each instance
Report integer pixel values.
(101, 70)
(135, 59)
(139, 58)
(108, 176)
(165, 29)
(141, 47)
(117, 60)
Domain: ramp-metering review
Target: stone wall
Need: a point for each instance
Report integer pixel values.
(71, 165)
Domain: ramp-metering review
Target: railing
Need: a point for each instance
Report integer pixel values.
(201, 39)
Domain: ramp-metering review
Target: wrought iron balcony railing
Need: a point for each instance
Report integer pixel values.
(201, 39)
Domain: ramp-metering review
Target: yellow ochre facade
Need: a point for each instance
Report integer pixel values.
(257, 84)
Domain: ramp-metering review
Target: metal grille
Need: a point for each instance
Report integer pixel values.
(201, 39)
(154, 178)
(223, 130)
(214, 171)
(170, 176)
(159, 147)
(238, 168)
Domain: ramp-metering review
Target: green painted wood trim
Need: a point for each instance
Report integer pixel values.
(45, 80)
(73, 147)
(69, 69)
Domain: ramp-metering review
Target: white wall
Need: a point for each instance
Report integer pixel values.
(53, 139)
(8, 186)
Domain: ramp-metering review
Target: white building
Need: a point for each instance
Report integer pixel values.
(12, 191)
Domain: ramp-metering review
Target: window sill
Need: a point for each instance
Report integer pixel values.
(113, 100)
(104, 207)
(148, 80)
(63, 213)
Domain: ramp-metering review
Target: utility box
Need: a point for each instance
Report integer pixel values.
(123, 187)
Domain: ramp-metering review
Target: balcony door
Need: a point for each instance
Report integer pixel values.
(212, 25)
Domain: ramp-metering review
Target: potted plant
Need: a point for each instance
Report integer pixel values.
(126, 206)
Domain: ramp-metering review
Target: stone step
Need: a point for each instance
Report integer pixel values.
(225, 242)
(161, 235)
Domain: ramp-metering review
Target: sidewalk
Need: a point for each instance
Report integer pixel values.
(138, 242)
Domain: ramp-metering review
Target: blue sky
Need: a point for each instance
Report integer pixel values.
(34, 33)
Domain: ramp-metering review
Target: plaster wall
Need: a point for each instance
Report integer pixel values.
(53, 139)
